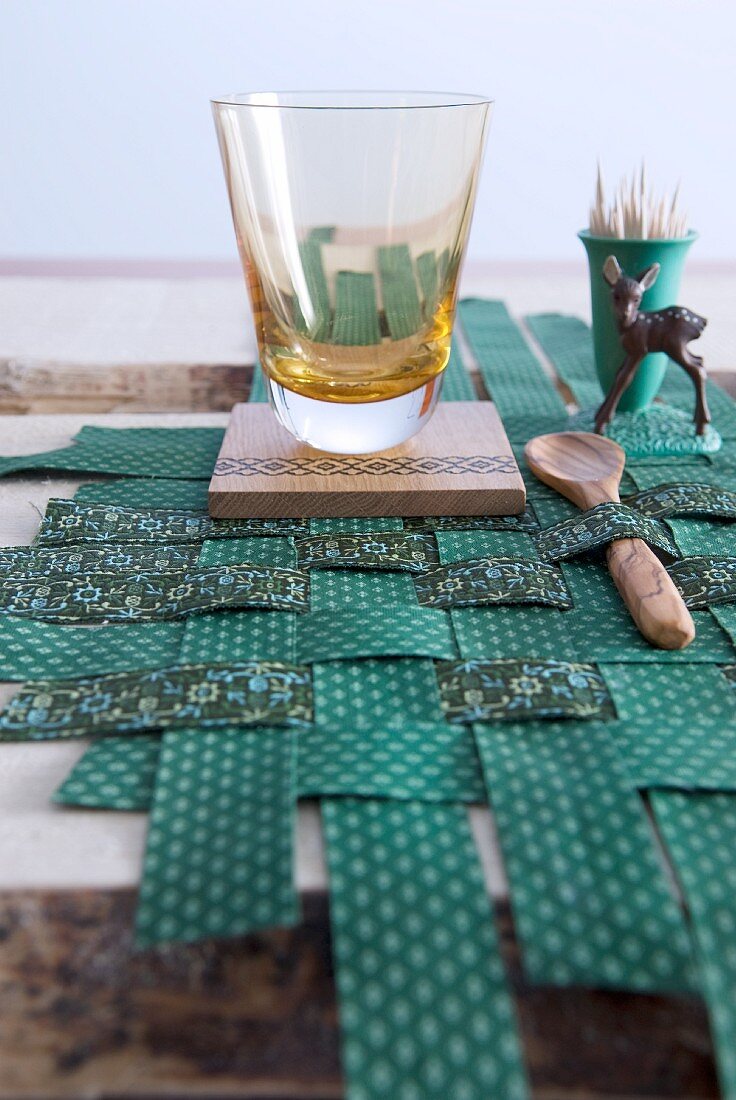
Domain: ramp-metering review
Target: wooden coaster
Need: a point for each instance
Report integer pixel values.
(460, 464)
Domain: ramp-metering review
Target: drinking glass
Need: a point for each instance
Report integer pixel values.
(351, 213)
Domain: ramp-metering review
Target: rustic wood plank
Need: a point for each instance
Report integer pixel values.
(256, 1017)
(28, 386)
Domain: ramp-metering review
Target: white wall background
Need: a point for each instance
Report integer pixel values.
(109, 149)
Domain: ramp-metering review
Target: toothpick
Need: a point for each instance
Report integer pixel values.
(635, 212)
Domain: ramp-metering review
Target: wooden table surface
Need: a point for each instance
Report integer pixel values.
(84, 1016)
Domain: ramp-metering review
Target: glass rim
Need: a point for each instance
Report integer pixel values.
(423, 100)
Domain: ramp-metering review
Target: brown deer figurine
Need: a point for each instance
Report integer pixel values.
(668, 330)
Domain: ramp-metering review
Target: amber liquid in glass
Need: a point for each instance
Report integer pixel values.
(348, 372)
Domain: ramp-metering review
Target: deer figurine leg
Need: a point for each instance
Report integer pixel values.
(625, 373)
(693, 364)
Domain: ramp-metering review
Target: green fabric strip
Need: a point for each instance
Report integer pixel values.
(459, 546)
(512, 374)
(599, 526)
(115, 773)
(590, 899)
(675, 725)
(523, 631)
(62, 560)
(32, 650)
(662, 501)
(142, 494)
(247, 692)
(258, 392)
(251, 550)
(598, 602)
(388, 632)
(219, 850)
(714, 470)
(318, 319)
(699, 832)
(704, 580)
(139, 596)
(347, 588)
(725, 616)
(527, 521)
(428, 283)
(247, 814)
(399, 291)
(323, 233)
(408, 551)
(424, 1007)
(355, 526)
(514, 690)
(259, 635)
(356, 312)
(429, 761)
(553, 510)
(66, 522)
(567, 343)
(694, 535)
(457, 385)
(386, 687)
(137, 452)
(492, 581)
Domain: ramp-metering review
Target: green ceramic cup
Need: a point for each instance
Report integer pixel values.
(633, 256)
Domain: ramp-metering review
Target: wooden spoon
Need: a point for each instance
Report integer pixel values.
(587, 469)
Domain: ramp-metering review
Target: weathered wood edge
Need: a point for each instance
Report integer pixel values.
(256, 1017)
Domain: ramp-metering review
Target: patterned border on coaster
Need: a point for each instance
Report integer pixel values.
(376, 465)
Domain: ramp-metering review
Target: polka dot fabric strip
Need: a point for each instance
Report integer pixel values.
(233, 795)
(588, 891)
(698, 831)
(220, 843)
(180, 453)
(424, 1009)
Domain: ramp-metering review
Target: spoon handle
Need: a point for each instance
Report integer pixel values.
(649, 592)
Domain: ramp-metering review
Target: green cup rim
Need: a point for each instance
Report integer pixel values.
(691, 235)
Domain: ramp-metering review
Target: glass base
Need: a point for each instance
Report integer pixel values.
(354, 429)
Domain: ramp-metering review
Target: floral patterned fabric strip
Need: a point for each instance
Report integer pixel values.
(692, 499)
(395, 551)
(599, 526)
(527, 521)
(47, 561)
(493, 581)
(67, 521)
(478, 691)
(704, 580)
(141, 596)
(219, 851)
(424, 1007)
(247, 693)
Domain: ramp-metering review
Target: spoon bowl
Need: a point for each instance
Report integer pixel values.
(581, 466)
